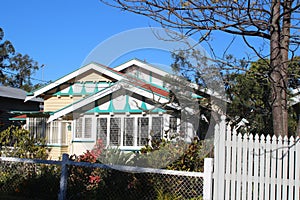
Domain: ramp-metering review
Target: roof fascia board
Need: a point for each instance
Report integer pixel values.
(142, 65)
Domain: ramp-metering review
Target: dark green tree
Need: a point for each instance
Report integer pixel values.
(21, 68)
(250, 93)
(6, 51)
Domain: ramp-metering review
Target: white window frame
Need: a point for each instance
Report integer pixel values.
(120, 131)
(171, 126)
(139, 138)
(35, 120)
(60, 132)
(135, 129)
(99, 128)
(161, 128)
(83, 129)
(125, 129)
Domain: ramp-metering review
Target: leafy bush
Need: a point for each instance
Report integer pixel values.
(114, 156)
(29, 180)
(173, 154)
(18, 142)
(25, 179)
(84, 181)
(43, 184)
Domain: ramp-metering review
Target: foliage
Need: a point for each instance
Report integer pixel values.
(114, 156)
(21, 69)
(161, 195)
(173, 154)
(98, 183)
(18, 142)
(84, 181)
(29, 180)
(249, 93)
(191, 160)
(6, 50)
(26, 179)
(294, 73)
(42, 184)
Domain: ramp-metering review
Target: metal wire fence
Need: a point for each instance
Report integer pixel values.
(22, 180)
(40, 179)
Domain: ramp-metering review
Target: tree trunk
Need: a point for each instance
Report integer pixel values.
(278, 73)
(285, 43)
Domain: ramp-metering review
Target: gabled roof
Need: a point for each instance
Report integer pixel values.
(142, 65)
(97, 67)
(15, 93)
(138, 88)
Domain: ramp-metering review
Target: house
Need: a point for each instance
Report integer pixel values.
(123, 106)
(12, 101)
(295, 102)
(295, 99)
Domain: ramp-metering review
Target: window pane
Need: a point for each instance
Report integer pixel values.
(55, 132)
(115, 130)
(42, 123)
(64, 133)
(102, 130)
(31, 126)
(173, 124)
(128, 137)
(87, 127)
(143, 128)
(78, 133)
(37, 127)
(157, 128)
(48, 133)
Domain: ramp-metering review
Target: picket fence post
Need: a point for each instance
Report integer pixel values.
(219, 158)
(63, 178)
(207, 179)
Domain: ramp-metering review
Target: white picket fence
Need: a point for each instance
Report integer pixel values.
(255, 167)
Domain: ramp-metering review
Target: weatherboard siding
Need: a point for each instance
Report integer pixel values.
(56, 152)
(55, 103)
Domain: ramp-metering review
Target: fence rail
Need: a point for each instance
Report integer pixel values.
(70, 180)
(255, 167)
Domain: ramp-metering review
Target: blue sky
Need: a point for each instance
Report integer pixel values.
(61, 33)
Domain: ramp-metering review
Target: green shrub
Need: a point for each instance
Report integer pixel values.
(83, 182)
(173, 154)
(18, 142)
